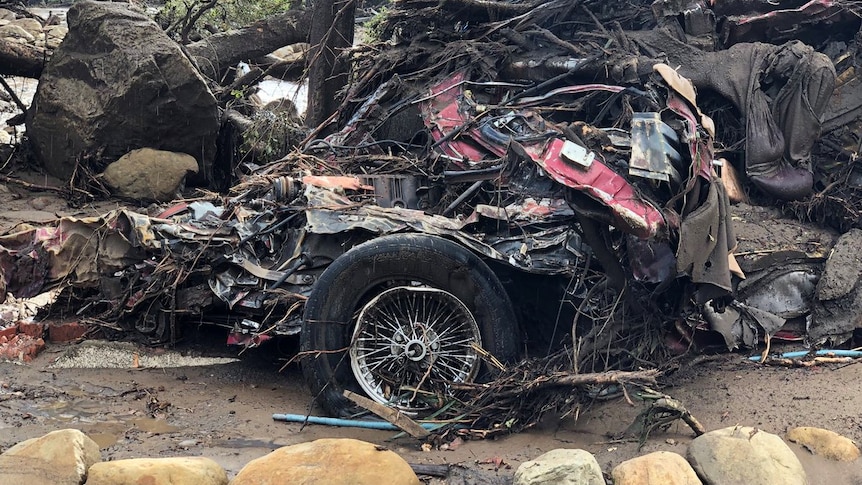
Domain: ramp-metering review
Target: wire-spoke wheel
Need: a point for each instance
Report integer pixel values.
(401, 318)
(410, 343)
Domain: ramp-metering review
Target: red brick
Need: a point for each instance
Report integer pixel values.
(8, 332)
(35, 330)
(21, 347)
(66, 332)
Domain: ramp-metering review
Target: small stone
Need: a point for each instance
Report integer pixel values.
(825, 443)
(659, 468)
(329, 461)
(41, 202)
(158, 471)
(187, 443)
(561, 466)
(57, 458)
(742, 455)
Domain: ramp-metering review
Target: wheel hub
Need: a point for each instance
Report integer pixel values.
(410, 343)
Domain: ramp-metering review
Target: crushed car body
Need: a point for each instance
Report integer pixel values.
(602, 211)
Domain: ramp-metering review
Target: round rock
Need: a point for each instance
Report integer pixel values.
(825, 443)
(659, 468)
(158, 471)
(57, 458)
(561, 466)
(32, 26)
(147, 174)
(331, 462)
(740, 455)
(12, 31)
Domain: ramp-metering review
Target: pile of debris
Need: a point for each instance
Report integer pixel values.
(561, 171)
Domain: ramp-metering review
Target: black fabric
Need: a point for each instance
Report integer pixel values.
(781, 91)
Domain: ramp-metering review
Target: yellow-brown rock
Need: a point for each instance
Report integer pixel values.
(158, 471)
(659, 468)
(330, 462)
(58, 458)
(825, 443)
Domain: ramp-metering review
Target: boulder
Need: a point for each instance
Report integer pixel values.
(837, 306)
(563, 466)
(842, 269)
(32, 26)
(659, 468)
(740, 455)
(6, 14)
(54, 35)
(58, 458)
(12, 31)
(147, 174)
(825, 443)
(158, 471)
(328, 461)
(116, 83)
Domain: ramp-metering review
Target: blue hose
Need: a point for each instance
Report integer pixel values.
(802, 353)
(346, 423)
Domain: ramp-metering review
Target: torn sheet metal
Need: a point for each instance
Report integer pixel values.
(451, 113)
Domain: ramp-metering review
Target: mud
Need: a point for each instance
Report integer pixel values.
(223, 411)
(38, 201)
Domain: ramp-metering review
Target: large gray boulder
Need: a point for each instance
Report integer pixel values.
(117, 83)
(740, 455)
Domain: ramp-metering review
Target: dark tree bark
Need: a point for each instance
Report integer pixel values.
(331, 33)
(21, 59)
(220, 51)
(212, 55)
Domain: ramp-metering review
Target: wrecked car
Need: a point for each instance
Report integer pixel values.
(410, 255)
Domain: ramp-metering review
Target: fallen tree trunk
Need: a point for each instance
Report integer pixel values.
(218, 52)
(21, 59)
(212, 55)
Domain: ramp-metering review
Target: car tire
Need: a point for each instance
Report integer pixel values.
(390, 272)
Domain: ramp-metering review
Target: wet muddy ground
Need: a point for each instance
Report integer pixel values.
(223, 410)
